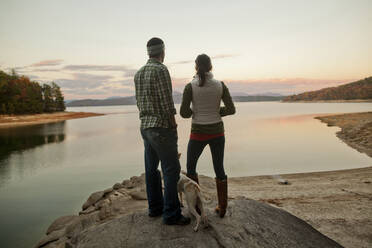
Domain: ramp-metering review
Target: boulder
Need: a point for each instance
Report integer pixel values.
(93, 198)
(118, 218)
(51, 238)
(138, 195)
(61, 222)
(117, 186)
(248, 223)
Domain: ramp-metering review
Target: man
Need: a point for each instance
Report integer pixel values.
(159, 133)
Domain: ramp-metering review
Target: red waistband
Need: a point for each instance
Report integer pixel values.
(202, 136)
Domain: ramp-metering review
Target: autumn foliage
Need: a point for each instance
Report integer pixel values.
(359, 90)
(20, 95)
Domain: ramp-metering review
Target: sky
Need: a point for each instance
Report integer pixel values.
(92, 48)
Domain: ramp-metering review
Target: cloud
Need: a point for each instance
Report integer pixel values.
(283, 86)
(181, 62)
(94, 86)
(33, 77)
(52, 62)
(96, 68)
(218, 56)
(83, 81)
(222, 56)
(46, 70)
(88, 92)
(124, 82)
(130, 73)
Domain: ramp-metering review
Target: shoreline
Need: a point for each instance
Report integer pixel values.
(330, 101)
(356, 129)
(9, 121)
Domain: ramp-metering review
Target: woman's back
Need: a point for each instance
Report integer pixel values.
(206, 100)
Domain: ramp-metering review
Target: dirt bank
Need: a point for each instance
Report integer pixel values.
(7, 121)
(336, 203)
(356, 129)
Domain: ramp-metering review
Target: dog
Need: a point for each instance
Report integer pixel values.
(191, 190)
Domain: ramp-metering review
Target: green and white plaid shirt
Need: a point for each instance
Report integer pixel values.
(154, 95)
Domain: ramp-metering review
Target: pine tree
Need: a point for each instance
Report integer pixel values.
(48, 98)
(3, 109)
(11, 109)
(58, 98)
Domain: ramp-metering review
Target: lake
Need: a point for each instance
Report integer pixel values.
(49, 170)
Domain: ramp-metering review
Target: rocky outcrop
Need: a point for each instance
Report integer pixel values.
(119, 219)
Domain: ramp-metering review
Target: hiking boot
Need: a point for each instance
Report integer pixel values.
(182, 221)
(222, 197)
(155, 214)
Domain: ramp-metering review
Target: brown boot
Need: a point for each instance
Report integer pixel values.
(222, 196)
(195, 179)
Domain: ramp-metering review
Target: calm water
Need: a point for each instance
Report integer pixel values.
(47, 171)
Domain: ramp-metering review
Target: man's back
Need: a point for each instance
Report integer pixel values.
(154, 94)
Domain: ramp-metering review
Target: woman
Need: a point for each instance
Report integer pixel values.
(205, 93)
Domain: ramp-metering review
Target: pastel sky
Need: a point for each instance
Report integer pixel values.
(93, 48)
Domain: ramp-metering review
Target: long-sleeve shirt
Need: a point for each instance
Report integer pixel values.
(154, 95)
(187, 112)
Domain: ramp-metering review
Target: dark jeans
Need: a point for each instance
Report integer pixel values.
(195, 149)
(161, 145)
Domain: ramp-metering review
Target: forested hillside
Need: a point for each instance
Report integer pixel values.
(20, 95)
(359, 90)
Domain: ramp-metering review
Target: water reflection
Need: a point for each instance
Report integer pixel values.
(19, 139)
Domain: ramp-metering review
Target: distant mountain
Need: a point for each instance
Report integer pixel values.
(113, 97)
(257, 98)
(359, 90)
(235, 93)
(270, 94)
(68, 101)
(177, 98)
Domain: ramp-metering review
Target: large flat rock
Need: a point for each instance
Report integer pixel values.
(248, 223)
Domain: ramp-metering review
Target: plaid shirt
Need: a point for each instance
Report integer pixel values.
(154, 95)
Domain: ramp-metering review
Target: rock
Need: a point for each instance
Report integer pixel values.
(61, 222)
(51, 237)
(115, 196)
(107, 191)
(61, 243)
(83, 222)
(138, 195)
(138, 181)
(118, 218)
(127, 184)
(248, 223)
(104, 213)
(93, 198)
(89, 210)
(102, 203)
(117, 186)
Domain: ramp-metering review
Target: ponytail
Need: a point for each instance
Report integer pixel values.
(203, 65)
